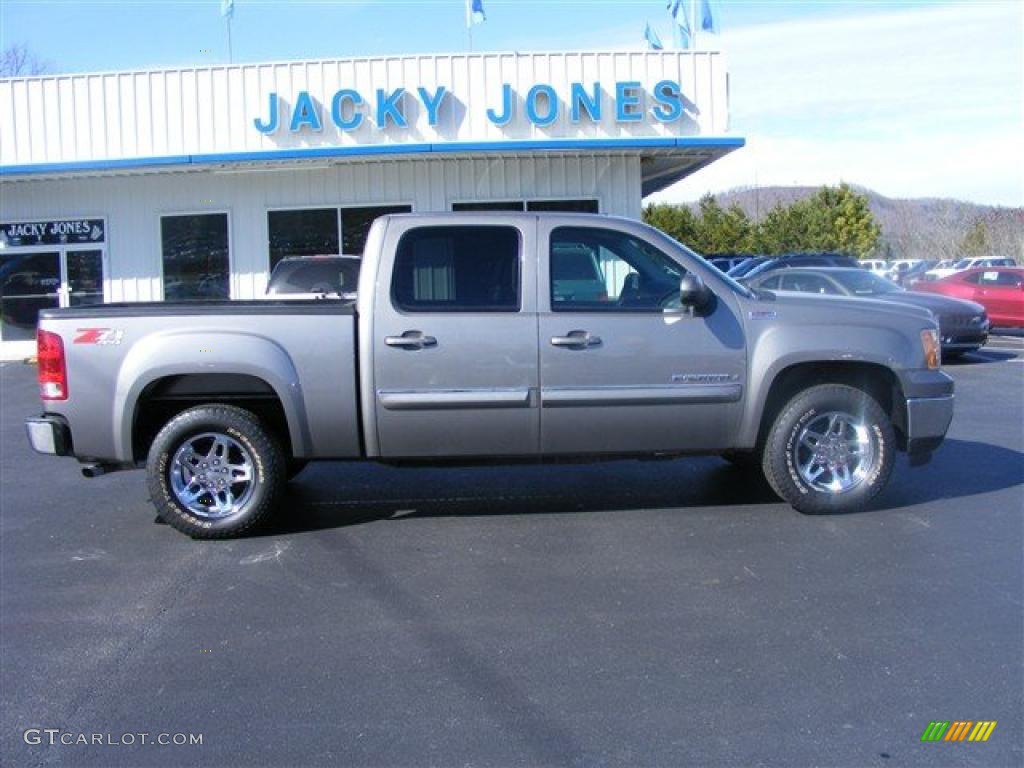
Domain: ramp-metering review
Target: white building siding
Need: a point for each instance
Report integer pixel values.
(210, 110)
(132, 205)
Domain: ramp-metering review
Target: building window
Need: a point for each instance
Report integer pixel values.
(315, 231)
(497, 205)
(195, 257)
(457, 269)
(302, 233)
(355, 225)
(568, 206)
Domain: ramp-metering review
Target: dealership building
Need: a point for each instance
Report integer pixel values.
(192, 183)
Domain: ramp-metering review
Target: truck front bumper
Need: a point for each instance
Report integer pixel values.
(49, 434)
(929, 401)
(928, 418)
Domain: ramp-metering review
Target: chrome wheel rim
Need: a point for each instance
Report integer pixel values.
(834, 452)
(212, 475)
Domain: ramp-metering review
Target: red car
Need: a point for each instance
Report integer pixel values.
(999, 289)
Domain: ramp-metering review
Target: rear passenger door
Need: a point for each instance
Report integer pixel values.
(454, 336)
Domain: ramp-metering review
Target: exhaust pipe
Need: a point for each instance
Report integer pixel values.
(95, 470)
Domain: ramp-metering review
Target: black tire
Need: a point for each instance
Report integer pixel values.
(786, 456)
(295, 466)
(244, 440)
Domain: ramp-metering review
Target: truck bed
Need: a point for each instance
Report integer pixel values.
(302, 351)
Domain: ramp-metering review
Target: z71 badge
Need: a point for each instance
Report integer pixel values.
(98, 336)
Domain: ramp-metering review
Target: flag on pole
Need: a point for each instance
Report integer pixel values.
(475, 12)
(653, 41)
(680, 21)
(708, 22)
(227, 8)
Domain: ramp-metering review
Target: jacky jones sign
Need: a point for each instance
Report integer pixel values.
(627, 102)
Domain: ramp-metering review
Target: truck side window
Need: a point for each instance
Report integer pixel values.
(457, 269)
(607, 270)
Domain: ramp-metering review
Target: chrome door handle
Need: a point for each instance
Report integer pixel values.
(410, 340)
(576, 340)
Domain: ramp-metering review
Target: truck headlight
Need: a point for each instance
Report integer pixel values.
(931, 347)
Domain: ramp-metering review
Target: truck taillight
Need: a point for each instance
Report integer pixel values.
(53, 373)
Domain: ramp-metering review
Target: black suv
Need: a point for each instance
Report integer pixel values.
(790, 260)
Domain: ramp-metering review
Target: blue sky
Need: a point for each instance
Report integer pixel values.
(908, 98)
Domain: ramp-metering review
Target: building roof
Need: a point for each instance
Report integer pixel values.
(669, 108)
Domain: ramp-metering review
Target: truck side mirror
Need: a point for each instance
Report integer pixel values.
(693, 294)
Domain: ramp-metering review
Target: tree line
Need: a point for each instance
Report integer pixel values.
(833, 219)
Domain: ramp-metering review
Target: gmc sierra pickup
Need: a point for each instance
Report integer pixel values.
(498, 336)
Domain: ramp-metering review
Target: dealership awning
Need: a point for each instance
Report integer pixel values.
(663, 160)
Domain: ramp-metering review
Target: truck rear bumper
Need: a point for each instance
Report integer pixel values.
(49, 434)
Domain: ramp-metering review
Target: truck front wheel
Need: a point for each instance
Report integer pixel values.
(214, 471)
(831, 449)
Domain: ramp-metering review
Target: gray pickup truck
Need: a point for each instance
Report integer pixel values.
(501, 337)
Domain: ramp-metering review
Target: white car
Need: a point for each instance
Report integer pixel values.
(959, 266)
(899, 266)
(879, 267)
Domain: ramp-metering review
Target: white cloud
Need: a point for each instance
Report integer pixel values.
(921, 102)
(984, 167)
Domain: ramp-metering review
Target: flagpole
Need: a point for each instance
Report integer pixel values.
(693, 24)
(230, 55)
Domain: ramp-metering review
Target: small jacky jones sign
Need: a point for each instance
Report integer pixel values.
(56, 232)
(348, 109)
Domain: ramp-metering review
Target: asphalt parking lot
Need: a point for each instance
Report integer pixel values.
(635, 613)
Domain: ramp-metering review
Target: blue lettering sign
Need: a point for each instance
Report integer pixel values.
(388, 107)
(270, 125)
(432, 103)
(669, 105)
(306, 112)
(507, 107)
(532, 101)
(628, 94)
(337, 109)
(580, 99)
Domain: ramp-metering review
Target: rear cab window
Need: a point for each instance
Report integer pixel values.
(458, 268)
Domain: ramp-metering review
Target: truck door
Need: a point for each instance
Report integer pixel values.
(454, 333)
(623, 367)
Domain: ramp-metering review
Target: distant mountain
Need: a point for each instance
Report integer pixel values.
(918, 228)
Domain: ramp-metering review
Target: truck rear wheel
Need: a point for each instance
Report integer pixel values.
(831, 449)
(214, 471)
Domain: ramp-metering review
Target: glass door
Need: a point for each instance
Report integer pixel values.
(83, 272)
(29, 282)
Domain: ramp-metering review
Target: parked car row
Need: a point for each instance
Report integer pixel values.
(907, 271)
(963, 325)
(999, 289)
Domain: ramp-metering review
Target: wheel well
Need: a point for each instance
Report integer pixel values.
(877, 380)
(165, 398)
